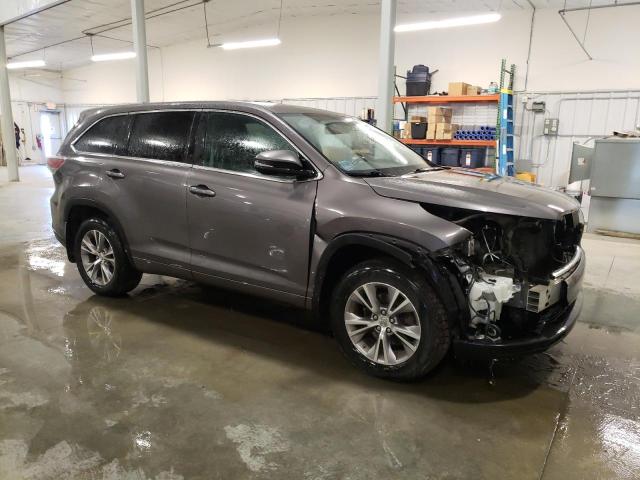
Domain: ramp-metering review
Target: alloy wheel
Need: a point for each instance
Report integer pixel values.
(382, 323)
(98, 258)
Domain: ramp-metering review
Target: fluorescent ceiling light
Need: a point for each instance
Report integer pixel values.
(269, 42)
(113, 56)
(26, 64)
(449, 22)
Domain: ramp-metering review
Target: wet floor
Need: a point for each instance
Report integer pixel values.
(181, 381)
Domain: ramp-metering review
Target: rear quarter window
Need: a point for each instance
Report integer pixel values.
(108, 136)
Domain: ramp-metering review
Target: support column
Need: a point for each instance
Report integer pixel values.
(140, 46)
(6, 121)
(386, 67)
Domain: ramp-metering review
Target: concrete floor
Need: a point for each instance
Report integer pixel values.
(183, 381)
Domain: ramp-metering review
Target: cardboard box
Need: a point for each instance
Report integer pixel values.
(442, 111)
(431, 131)
(406, 131)
(444, 135)
(446, 127)
(438, 119)
(458, 88)
(418, 119)
(445, 131)
(473, 90)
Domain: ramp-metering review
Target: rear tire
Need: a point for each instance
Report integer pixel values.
(101, 260)
(412, 339)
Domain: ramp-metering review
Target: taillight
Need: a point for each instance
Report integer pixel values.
(54, 163)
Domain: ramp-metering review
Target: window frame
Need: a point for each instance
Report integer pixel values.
(268, 178)
(188, 158)
(187, 161)
(86, 130)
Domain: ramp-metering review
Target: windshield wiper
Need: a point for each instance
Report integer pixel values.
(367, 173)
(427, 169)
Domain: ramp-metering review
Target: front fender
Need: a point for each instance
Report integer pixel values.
(431, 264)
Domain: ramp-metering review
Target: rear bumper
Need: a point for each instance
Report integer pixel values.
(550, 335)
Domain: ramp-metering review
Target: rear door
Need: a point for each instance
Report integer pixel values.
(153, 204)
(141, 160)
(244, 226)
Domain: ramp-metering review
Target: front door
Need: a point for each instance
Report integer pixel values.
(250, 228)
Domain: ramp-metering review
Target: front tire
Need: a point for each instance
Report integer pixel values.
(101, 260)
(388, 320)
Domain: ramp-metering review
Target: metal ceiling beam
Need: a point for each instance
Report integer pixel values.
(33, 12)
(597, 7)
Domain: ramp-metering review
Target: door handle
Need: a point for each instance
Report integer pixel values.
(202, 191)
(115, 173)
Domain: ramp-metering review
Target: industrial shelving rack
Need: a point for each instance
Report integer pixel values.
(504, 124)
(443, 100)
(505, 164)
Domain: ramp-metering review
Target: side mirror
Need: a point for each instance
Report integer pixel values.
(281, 162)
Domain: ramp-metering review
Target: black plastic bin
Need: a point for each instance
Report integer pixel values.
(472, 157)
(418, 80)
(450, 157)
(431, 154)
(418, 130)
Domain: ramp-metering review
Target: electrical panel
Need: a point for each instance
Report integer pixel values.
(538, 107)
(550, 127)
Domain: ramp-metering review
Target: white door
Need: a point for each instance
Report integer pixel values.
(51, 129)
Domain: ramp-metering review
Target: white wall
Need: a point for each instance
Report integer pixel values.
(558, 62)
(308, 63)
(30, 91)
(337, 57)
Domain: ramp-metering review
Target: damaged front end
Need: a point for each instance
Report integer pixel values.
(521, 279)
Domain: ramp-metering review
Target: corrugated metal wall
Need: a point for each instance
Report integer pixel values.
(582, 116)
(347, 105)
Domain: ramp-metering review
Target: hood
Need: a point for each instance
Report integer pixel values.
(476, 191)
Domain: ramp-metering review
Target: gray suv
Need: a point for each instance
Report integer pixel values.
(404, 259)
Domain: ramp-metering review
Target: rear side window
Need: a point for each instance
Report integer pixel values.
(160, 135)
(108, 136)
(231, 141)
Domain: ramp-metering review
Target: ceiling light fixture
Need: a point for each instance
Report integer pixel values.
(105, 57)
(449, 22)
(26, 64)
(268, 42)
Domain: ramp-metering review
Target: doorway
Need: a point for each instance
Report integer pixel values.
(51, 129)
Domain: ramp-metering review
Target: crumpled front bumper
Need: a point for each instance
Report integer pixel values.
(554, 331)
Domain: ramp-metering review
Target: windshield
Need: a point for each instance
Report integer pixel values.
(355, 147)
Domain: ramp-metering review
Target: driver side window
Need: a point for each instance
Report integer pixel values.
(231, 141)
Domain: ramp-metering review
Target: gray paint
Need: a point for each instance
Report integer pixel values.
(467, 189)
(256, 232)
(616, 168)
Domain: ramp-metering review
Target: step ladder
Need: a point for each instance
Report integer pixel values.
(505, 165)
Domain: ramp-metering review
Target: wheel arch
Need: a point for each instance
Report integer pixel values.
(77, 211)
(349, 249)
